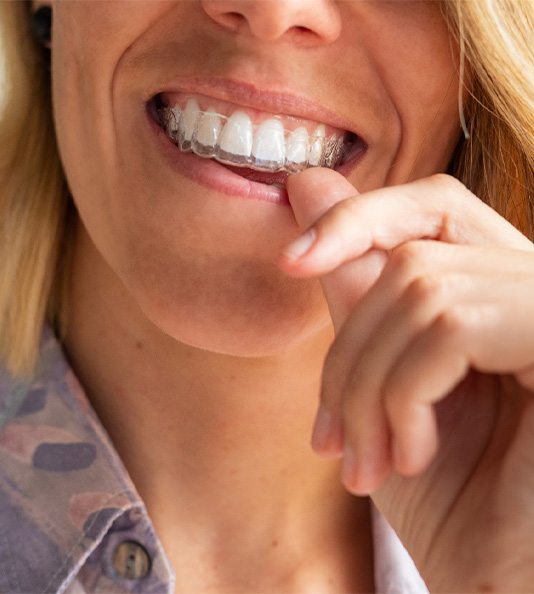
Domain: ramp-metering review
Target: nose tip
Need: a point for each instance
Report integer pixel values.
(269, 20)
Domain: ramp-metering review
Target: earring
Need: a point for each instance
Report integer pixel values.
(42, 24)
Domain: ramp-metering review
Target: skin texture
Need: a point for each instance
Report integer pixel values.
(202, 349)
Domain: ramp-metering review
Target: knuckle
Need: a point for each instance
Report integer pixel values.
(446, 181)
(450, 187)
(394, 398)
(343, 210)
(336, 217)
(451, 323)
(407, 259)
(424, 289)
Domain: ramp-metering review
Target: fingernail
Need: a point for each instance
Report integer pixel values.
(301, 246)
(357, 472)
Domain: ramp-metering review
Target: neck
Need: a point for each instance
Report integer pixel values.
(209, 440)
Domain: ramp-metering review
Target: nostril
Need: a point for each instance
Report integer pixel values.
(232, 20)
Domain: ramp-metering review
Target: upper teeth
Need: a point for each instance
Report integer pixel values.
(237, 136)
(269, 142)
(236, 140)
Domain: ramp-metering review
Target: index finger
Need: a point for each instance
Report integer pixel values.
(437, 207)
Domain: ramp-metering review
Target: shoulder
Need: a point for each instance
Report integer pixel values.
(29, 552)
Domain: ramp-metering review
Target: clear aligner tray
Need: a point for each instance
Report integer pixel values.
(312, 151)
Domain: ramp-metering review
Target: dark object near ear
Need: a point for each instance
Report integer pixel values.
(42, 24)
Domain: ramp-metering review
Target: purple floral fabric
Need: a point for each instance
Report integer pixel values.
(67, 501)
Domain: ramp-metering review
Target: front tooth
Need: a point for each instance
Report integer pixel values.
(269, 143)
(187, 123)
(316, 147)
(236, 137)
(207, 133)
(297, 147)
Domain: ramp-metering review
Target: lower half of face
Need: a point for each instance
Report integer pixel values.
(195, 239)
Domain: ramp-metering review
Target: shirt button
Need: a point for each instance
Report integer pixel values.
(131, 560)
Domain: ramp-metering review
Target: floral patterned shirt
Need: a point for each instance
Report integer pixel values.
(72, 521)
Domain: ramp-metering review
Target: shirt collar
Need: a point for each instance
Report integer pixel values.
(62, 483)
(395, 571)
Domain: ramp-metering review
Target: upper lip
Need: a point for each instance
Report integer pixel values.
(250, 95)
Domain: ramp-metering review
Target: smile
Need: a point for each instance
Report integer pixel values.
(247, 138)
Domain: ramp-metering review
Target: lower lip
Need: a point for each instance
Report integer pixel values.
(213, 175)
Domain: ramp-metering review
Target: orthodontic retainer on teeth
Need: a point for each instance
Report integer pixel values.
(296, 149)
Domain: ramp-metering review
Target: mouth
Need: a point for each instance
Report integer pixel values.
(259, 146)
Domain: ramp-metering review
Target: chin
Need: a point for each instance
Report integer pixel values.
(261, 322)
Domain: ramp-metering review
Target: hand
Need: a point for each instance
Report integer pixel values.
(428, 387)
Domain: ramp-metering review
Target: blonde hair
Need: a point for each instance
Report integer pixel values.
(37, 215)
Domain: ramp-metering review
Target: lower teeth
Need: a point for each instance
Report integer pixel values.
(317, 151)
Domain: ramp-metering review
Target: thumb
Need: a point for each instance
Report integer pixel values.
(314, 191)
(311, 193)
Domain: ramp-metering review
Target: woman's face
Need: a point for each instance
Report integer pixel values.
(194, 252)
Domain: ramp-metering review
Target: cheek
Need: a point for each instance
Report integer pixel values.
(81, 74)
(417, 61)
(90, 39)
